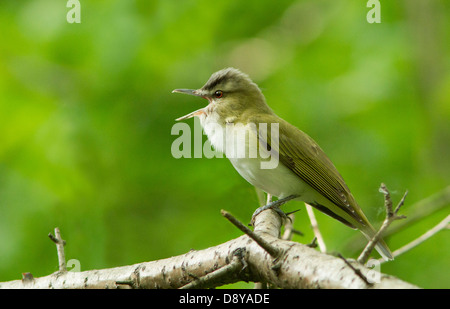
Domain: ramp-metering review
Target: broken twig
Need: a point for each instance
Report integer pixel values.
(60, 243)
(391, 216)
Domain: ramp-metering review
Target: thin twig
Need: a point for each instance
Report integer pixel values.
(423, 209)
(289, 227)
(60, 243)
(269, 198)
(237, 264)
(273, 251)
(315, 227)
(289, 230)
(355, 270)
(391, 216)
(416, 213)
(439, 227)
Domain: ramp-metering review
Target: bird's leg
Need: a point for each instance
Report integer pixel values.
(275, 205)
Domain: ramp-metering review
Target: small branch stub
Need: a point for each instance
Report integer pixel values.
(273, 251)
(60, 243)
(357, 271)
(236, 265)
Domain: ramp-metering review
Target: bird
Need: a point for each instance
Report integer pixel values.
(272, 154)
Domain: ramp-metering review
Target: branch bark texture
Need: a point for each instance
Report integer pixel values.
(240, 259)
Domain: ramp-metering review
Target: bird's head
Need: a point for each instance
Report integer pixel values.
(230, 93)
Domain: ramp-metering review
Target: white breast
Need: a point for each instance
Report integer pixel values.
(234, 140)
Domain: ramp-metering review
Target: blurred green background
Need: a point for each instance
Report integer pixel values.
(86, 113)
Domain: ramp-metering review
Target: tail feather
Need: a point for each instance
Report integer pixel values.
(381, 246)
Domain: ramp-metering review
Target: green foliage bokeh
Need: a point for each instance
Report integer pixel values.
(86, 113)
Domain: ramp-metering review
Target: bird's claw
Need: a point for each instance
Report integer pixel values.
(275, 205)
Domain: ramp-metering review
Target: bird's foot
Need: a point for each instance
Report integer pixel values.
(275, 205)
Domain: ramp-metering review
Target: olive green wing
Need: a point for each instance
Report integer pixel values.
(301, 154)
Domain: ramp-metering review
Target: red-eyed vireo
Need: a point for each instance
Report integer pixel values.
(272, 154)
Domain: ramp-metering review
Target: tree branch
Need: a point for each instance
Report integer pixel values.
(298, 267)
(315, 227)
(417, 212)
(60, 243)
(391, 216)
(444, 224)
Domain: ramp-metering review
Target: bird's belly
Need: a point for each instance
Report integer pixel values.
(279, 181)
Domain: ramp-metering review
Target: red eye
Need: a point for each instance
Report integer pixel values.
(218, 94)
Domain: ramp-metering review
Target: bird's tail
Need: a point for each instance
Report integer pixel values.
(381, 246)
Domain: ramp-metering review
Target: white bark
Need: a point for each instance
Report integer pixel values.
(298, 266)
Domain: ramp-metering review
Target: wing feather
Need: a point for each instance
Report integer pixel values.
(301, 154)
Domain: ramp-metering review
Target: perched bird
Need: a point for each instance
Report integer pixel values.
(295, 166)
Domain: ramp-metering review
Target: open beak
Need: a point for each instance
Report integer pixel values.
(194, 93)
(196, 113)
